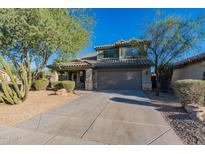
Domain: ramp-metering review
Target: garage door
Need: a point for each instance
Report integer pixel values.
(119, 79)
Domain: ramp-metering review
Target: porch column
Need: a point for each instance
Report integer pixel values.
(78, 85)
(146, 80)
(89, 79)
(54, 76)
(95, 75)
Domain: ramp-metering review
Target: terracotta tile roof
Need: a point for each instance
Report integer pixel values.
(121, 43)
(72, 64)
(103, 63)
(193, 59)
(124, 62)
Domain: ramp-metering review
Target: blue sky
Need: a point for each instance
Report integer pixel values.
(115, 24)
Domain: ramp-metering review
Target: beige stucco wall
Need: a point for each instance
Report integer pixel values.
(192, 71)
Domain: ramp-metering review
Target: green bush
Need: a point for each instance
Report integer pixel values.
(68, 85)
(190, 91)
(42, 75)
(40, 84)
(56, 85)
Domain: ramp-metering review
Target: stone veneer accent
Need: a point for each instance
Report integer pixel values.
(95, 83)
(89, 79)
(78, 85)
(146, 80)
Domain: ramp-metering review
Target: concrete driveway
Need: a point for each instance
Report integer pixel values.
(105, 117)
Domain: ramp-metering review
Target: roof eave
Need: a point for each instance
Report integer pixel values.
(147, 42)
(122, 66)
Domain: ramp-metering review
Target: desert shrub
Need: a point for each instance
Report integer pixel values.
(55, 85)
(41, 75)
(190, 91)
(40, 84)
(68, 85)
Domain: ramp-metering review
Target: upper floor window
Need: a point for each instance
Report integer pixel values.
(130, 52)
(111, 53)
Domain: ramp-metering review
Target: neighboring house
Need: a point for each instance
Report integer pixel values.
(191, 68)
(123, 65)
(5, 75)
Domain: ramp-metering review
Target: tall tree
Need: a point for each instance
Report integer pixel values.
(33, 35)
(67, 32)
(171, 36)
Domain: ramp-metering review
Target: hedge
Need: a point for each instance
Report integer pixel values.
(68, 85)
(190, 91)
(40, 84)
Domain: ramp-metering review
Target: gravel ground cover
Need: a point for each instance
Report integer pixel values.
(190, 131)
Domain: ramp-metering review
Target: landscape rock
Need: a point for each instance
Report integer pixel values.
(203, 129)
(197, 116)
(61, 92)
(191, 108)
(193, 115)
(195, 111)
(203, 117)
(201, 109)
(189, 130)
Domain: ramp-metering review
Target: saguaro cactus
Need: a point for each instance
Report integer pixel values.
(14, 93)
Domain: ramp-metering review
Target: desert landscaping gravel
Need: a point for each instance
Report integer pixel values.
(190, 131)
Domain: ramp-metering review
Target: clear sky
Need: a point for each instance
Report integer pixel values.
(115, 24)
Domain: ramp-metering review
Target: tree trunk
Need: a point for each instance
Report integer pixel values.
(157, 84)
(158, 88)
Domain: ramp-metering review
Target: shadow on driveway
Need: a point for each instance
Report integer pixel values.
(168, 105)
(138, 93)
(130, 101)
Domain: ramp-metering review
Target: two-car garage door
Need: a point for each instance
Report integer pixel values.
(119, 79)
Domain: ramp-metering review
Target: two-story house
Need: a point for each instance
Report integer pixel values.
(123, 65)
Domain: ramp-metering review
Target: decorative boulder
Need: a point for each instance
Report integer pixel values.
(201, 109)
(203, 129)
(191, 108)
(61, 92)
(196, 112)
(198, 116)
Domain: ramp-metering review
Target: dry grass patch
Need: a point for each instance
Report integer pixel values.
(37, 102)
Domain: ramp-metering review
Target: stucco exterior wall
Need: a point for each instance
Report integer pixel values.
(192, 71)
